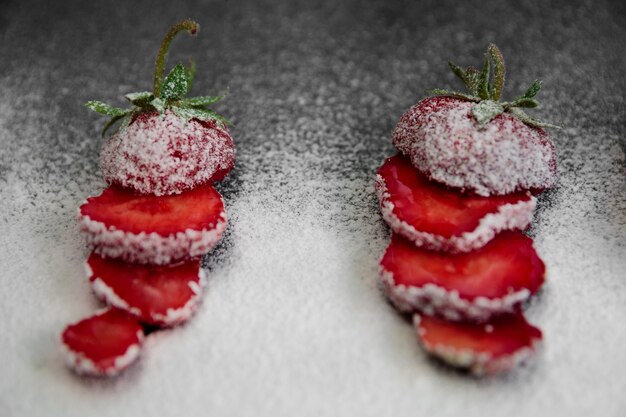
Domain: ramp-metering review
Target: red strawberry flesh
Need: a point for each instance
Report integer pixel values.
(506, 271)
(484, 348)
(160, 295)
(430, 207)
(200, 208)
(103, 344)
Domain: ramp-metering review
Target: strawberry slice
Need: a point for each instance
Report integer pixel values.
(162, 154)
(147, 229)
(103, 344)
(158, 295)
(485, 348)
(467, 286)
(444, 140)
(436, 217)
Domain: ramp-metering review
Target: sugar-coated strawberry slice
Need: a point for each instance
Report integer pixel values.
(103, 344)
(436, 217)
(492, 280)
(483, 348)
(159, 295)
(147, 229)
(444, 141)
(165, 154)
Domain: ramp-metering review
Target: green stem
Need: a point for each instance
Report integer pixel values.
(498, 72)
(188, 25)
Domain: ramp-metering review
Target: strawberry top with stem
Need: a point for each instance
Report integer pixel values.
(168, 93)
(485, 90)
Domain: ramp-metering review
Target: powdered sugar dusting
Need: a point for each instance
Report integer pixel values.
(163, 154)
(315, 93)
(443, 141)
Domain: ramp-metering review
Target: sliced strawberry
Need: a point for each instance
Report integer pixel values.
(162, 154)
(159, 295)
(443, 140)
(103, 344)
(485, 348)
(440, 218)
(476, 285)
(153, 230)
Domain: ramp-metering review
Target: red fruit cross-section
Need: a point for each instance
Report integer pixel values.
(153, 230)
(484, 348)
(158, 295)
(103, 344)
(440, 218)
(477, 285)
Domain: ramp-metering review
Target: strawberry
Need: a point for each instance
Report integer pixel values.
(153, 230)
(165, 154)
(492, 280)
(439, 218)
(167, 143)
(485, 348)
(103, 344)
(156, 295)
(475, 142)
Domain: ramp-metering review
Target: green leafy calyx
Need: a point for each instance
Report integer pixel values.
(485, 89)
(168, 92)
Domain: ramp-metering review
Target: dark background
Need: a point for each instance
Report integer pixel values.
(315, 90)
(318, 69)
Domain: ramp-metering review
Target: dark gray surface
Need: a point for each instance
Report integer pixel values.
(294, 323)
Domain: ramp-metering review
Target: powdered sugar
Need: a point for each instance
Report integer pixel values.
(150, 248)
(443, 141)
(508, 217)
(162, 154)
(314, 97)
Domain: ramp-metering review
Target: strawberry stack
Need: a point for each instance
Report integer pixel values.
(457, 198)
(160, 214)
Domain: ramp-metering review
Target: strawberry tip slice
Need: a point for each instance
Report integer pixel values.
(492, 280)
(102, 345)
(147, 229)
(486, 348)
(155, 295)
(436, 217)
